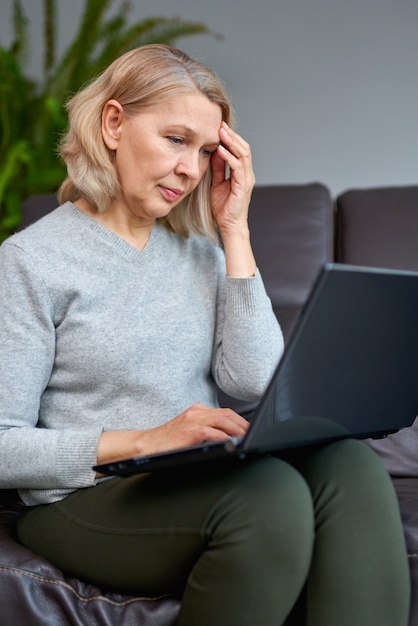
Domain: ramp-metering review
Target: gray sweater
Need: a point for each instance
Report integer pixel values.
(95, 335)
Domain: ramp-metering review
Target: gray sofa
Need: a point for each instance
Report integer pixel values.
(295, 230)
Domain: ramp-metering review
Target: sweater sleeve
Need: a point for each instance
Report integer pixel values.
(249, 341)
(30, 456)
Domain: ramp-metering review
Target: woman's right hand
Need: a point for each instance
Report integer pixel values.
(195, 425)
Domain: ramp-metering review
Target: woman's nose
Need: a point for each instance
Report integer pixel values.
(189, 165)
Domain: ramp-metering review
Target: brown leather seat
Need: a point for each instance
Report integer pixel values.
(36, 593)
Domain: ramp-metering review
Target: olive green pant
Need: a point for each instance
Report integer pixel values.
(241, 543)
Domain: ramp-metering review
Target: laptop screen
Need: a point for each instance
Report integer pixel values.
(352, 362)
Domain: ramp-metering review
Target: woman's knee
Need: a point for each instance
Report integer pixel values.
(269, 510)
(348, 463)
(348, 477)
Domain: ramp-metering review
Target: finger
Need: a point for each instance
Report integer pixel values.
(241, 174)
(214, 433)
(221, 418)
(237, 155)
(230, 424)
(218, 164)
(234, 142)
(231, 414)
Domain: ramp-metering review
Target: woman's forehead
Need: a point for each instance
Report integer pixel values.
(194, 114)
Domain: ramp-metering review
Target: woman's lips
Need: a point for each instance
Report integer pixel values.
(171, 194)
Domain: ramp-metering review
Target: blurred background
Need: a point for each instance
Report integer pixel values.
(324, 90)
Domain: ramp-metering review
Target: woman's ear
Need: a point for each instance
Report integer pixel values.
(112, 123)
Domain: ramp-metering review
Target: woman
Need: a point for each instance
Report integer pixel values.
(118, 313)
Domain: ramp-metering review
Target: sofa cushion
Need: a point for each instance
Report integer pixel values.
(407, 492)
(35, 592)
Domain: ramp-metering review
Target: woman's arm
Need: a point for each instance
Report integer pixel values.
(230, 199)
(249, 341)
(195, 425)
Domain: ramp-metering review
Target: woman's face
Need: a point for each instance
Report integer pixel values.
(162, 153)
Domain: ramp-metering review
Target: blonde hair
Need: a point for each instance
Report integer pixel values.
(137, 79)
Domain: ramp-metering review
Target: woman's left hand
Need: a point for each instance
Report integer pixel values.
(230, 197)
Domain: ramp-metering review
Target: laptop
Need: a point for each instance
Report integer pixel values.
(350, 369)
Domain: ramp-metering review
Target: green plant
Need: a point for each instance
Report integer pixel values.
(32, 113)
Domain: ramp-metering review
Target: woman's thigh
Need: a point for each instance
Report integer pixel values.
(147, 532)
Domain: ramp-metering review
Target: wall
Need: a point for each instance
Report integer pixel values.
(324, 89)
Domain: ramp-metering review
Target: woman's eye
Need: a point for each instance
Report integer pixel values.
(206, 152)
(177, 141)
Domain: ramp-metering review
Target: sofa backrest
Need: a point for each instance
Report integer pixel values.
(378, 227)
(36, 206)
(292, 235)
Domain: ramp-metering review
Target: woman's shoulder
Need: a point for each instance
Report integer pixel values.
(43, 228)
(46, 242)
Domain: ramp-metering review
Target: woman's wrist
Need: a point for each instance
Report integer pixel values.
(114, 445)
(239, 257)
